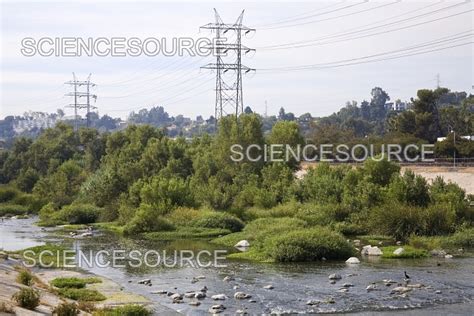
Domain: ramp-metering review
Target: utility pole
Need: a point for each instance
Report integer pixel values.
(438, 81)
(229, 93)
(77, 94)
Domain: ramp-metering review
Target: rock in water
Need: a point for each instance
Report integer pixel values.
(200, 295)
(194, 303)
(242, 244)
(371, 287)
(374, 251)
(335, 276)
(228, 278)
(398, 251)
(400, 290)
(313, 302)
(268, 287)
(353, 260)
(144, 281)
(215, 309)
(241, 296)
(218, 297)
(448, 256)
(365, 250)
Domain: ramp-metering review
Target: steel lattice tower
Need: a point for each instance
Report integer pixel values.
(229, 94)
(76, 94)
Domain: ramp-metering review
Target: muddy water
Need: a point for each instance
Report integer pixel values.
(447, 283)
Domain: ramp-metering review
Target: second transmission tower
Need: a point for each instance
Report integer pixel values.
(77, 95)
(229, 93)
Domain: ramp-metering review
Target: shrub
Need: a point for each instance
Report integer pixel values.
(27, 298)
(219, 220)
(288, 209)
(73, 282)
(32, 202)
(25, 277)
(127, 310)
(8, 193)
(398, 220)
(81, 294)
(308, 245)
(322, 215)
(184, 215)
(79, 213)
(146, 220)
(12, 209)
(66, 309)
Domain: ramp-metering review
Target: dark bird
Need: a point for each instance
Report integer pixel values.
(406, 275)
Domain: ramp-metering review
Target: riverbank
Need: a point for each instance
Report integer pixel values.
(115, 294)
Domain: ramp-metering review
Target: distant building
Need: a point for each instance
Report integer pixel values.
(397, 106)
(441, 139)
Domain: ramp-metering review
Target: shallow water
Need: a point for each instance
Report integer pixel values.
(294, 284)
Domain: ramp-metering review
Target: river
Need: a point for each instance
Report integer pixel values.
(447, 283)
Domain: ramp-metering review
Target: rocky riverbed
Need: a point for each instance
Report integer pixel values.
(375, 285)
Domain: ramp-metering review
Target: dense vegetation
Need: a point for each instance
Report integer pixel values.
(146, 183)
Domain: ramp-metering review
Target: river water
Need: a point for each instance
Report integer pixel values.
(448, 284)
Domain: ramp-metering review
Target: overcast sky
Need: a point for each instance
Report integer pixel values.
(177, 83)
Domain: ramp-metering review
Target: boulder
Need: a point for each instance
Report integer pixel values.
(353, 260)
(365, 250)
(215, 309)
(438, 253)
(374, 251)
(144, 281)
(194, 303)
(228, 278)
(218, 297)
(448, 256)
(398, 251)
(241, 296)
(313, 302)
(371, 287)
(268, 287)
(242, 244)
(335, 276)
(200, 295)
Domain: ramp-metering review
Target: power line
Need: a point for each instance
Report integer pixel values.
(415, 50)
(335, 17)
(306, 43)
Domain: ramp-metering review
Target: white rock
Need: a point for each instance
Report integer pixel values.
(199, 295)
(401, 290)
(218, 297)
(448, 256)
(241, 296)
(215, 309)
(177, 296)
(353, 260)
(313, 302)
(242, 244)
(343, 290)
(194, 303)
(398, 251)
(268, 287)
(371, 287)
(365, 250)
(335, 276)
(228, 278)
(374, 251)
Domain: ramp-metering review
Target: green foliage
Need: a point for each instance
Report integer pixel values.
(52, 256)
(81, 294)
(8, 193)
(166, 193)
(66, 309)
(25, 277)
(380, 172)
(73, 282)
(12, 209)
(27, 298)
(323, 184)
(148, 219)
(410, 189)
(219, 220)
(126, 310)
(308, 245)
(409, 253)
(78, 214)
(187, 233)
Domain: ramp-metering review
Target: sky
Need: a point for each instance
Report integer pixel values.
(401, 46)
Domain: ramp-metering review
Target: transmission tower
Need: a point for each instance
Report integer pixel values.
(78, 94)
(229, 92)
